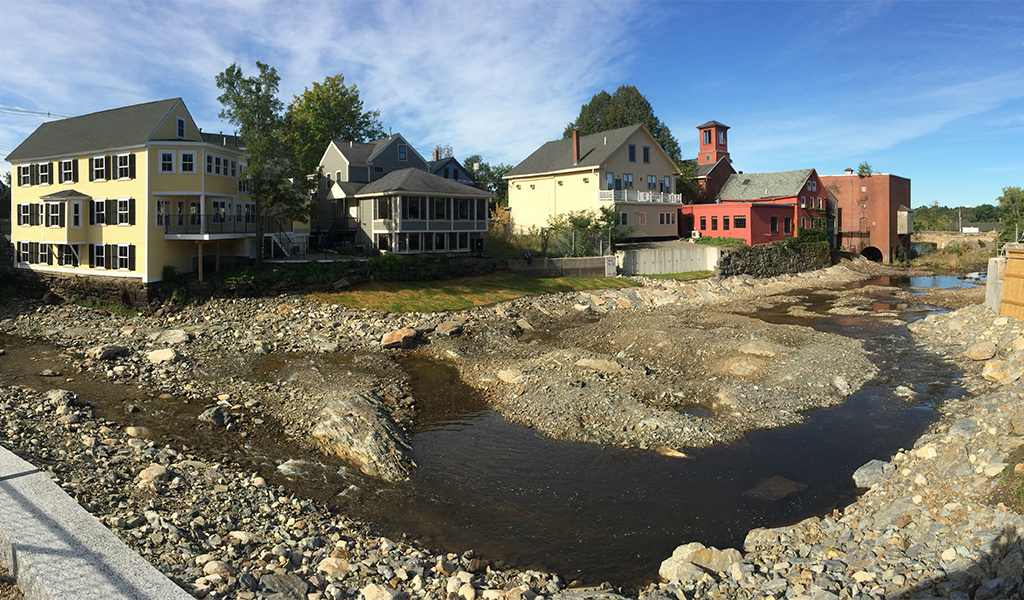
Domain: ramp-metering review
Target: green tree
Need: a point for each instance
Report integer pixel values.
(489, 177)
(327, 111)
(864, 169)
(985, 213)
(5, 197)
(1011, 204)
(278, 185)
(627, 106)
(686, 182)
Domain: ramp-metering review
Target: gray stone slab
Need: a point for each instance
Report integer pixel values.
(56, 550)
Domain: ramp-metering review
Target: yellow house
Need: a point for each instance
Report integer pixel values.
(125, 192)
(625, 168)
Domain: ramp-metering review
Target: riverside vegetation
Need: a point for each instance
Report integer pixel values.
(929, 525)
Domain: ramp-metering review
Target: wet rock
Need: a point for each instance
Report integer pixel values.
(775, 488)
(216, 415)
(359, 428)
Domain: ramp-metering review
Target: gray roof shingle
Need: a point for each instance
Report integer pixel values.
(115, 128)
(757, 186)
(415, 181)
(556, 155)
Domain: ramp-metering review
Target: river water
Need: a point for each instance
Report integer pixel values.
(598, 513)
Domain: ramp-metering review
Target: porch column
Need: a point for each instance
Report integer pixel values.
(200, 260)
(202, 223)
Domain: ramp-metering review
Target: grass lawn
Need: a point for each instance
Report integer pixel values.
(688, 276)
(455, 294)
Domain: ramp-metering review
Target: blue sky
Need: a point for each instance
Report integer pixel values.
(932, 91)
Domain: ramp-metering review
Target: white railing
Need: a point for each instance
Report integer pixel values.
(638, 196)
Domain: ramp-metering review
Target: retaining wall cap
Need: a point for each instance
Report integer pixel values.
(56, 550)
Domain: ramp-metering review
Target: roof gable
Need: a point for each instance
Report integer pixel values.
(757, 186)
(595, 149)
(97, 132)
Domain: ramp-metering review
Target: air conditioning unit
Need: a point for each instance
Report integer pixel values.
(695, 234)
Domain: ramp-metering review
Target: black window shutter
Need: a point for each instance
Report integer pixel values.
(108, 255)
(33, 214)
(131, 211)
(60, 172)
(51, 173)
(33, 174)
(92, 212)
(60, 213)
(106, 167)
(48, 249)
(74, 170)
(92, 170)
(131, 166)
(131, 257)
(92, 255)
(111, 213)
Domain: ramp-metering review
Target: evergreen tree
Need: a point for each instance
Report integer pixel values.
(627, 106)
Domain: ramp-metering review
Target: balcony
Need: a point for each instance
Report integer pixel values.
(207, 226)
(638, 196)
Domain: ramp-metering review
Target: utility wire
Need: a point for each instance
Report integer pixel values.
(24, 112)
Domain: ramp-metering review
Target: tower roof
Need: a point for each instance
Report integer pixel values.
(712, 124)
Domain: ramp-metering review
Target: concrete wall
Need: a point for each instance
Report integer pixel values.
(587, 266)
(672, 257)
(994, 279)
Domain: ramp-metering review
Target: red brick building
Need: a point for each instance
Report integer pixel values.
(713, 163)
(873, 214)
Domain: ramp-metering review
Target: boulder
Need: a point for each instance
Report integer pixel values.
(981, 351)
(333, 567)
(691, 561)
(165, 355)
(871, 473)
(169, 337)
(105, 352)
(400, 338)
(377, 591)
(1005, 372)
(358, 427)
(449, 328)
(138, 432)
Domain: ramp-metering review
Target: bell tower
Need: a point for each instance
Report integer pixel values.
(714, 144)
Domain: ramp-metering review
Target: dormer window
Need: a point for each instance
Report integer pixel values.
(403, 152)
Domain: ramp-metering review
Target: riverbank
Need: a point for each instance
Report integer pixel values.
(195, 509)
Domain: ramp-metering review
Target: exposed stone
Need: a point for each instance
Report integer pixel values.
(600, 364)
(165, 355)
(691, 561)
(358, 428)
(981, 351)
(401, 338)
(106, 352)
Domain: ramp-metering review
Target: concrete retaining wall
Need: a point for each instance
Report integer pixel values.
(994, 279)
(586, 266)
(669, 257)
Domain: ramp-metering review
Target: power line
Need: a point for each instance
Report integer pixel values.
(24, 112)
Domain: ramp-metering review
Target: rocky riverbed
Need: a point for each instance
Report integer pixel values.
(220, 530)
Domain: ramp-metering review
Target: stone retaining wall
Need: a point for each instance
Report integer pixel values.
(772, 260)
(127, 292)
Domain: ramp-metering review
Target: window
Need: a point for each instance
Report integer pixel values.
(787, 225)
(609, 180)
(216, 165)
(209, 164)
(661, 218)
(188, 161)
(244, 182)
(99, 256)
(54, 214)
(250, 213)
(43, 254)
(403, 152)
(642, 218)
(44, 173)
(234, 168)
(775, 224)
(812, 186)
(125, 256)
(98, 213)
(632, 153)
(725, 223)
(652, 182)
(337, 176)
(668, 185)
(99, 168)
(446, 172)
(803, 202)
(69, 171)
(25, 175)
(181, 128)
(76, 213)
(220, 211)
(627, 181)
(163, 213)
(714, 223)
(647, 154)
(439, 239)
(721, 137)
(124, 164)
(706, 136)
(124, 211)
(23, 252)
(166, 161)
(24, 214)
(703, 223)
(739, 222)
(803, 222)
(67, 255)
(623, 218)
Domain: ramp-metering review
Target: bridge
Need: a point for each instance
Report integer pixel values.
(941, 239)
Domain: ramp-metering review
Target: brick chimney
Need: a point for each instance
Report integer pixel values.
(435, 154)
(575, 147)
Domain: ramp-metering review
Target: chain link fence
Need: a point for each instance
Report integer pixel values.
(562, 243)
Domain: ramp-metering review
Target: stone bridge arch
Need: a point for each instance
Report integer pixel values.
(871, 253)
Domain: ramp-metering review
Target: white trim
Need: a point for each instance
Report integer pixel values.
(181, 154)
(180, 127)
(117, 167)
(160, 161)
(103, 169)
